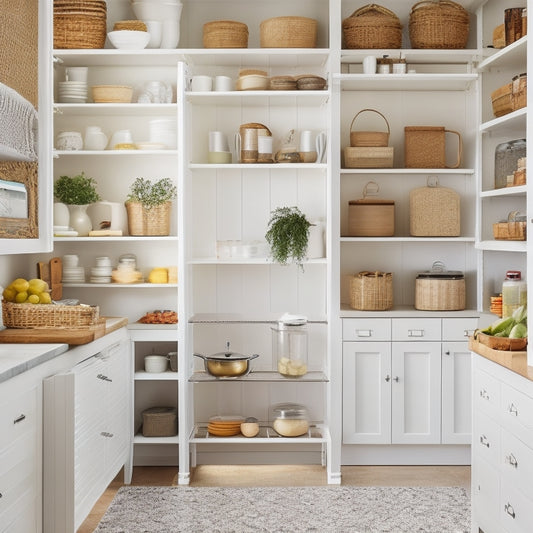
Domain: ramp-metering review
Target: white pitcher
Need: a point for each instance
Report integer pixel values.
(95, 138)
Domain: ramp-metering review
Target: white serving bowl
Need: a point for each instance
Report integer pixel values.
(129, 39)
(155, 363)
(151, 10)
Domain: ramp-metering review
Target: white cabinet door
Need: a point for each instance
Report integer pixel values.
(416, 392)
(456, 393)
(366, 392)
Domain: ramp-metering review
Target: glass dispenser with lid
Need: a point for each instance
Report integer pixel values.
(506, 158)
(289, 345)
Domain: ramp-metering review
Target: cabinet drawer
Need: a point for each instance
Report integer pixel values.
(409, 329)
(485, 493)
(486, 439)
(458, 329)
(516, 511)
(516, 461)
(486, 393)
(517, 411)
(18, 417)
(368, 329)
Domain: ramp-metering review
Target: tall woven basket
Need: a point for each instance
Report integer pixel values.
(372, 26)
(371, 291)
(438, 24)
(154, 221)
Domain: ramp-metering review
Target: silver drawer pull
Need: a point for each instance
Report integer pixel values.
(363, 332)
(106, 434)
(511, 459)
(468, 332)
(484, 441)
(509, 510)
(19, 419)
(103, 378)
(415, 333)
(513, 410)
(397, 379)
(387, 378)
(484, 394)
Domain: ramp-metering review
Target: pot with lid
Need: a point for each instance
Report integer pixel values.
(227, 364)
(440, 289)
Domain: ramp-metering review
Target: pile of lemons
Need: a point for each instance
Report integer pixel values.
(33, 291)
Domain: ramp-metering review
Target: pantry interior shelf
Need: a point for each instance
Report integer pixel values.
(406, 311)
(513, 55)
(140, 439)
(434, 56)
(234, 318)
(258, 98)
(123, 285)
(261, 376)
(124, 238)
(149, 332)
(407, 239)
(502, 246)
(247, 261)
(426, 171)
(510, 122)
(109, 109)
(518, 190)
(258, 166)
(107, 153)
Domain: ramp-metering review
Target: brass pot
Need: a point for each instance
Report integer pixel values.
(227, 364)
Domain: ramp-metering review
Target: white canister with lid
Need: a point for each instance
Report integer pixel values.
(289, 419)
(289, 345)
(155, 363)
(69, 140)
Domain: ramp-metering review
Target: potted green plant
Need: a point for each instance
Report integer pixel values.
(288, 235)
(77, 192)
(148, 205)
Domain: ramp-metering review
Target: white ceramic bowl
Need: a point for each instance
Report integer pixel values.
(129, 39)
(151, 10)
(155, 363)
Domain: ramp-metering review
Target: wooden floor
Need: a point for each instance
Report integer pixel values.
(268, 475)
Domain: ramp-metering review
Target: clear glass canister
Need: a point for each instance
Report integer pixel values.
(506, 158)
(289, 419)
(289, 346)
(514, 292)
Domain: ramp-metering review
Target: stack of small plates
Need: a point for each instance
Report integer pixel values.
(73, 274)
(72, 92)
(163, 131)
(225, 426)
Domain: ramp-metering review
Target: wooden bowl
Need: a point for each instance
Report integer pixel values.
(502, 343)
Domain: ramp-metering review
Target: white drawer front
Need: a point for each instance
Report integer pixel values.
(517, 411)
(423, 329)
(516, 510)
(366, 329)
(18, 417)
(486, 393)
(486, 439)
(458, 329)
(485, 493)
(516, 461)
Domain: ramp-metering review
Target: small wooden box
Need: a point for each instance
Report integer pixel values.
(368, 157)
(371, 217)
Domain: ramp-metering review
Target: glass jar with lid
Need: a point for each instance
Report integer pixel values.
(506, 158)
(514, 292)
(289, 419)
(289, 345)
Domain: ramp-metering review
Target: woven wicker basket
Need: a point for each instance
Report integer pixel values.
(368, 157)
(160, 422)
(29, 316)
(288, 32)
(440, 294)
(80, 24)
(154, 221)
(371, 291)
(510, 230)
(425, 147)
(438, 24)
(225, 34)
(372, 26)
(114, 94)
(369, 138)
(434, 211)
(502, 100)
(519, 91)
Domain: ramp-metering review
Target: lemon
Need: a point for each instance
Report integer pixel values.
(45, 298)
(9, 294)
(36, 286)
(21, 297)
(33, 299)
(20, 285)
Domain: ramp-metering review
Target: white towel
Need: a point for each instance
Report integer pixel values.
(18, 126)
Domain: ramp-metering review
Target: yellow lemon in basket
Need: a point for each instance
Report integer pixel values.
(21, 297)
(36, 286)
(33, 299)
(9, 294)
(20, 285)
(45, 298)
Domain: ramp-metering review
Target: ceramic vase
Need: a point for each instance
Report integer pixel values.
(61, 215)
(80, 220)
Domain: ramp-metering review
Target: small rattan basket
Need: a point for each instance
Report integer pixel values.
(154, 221)
(425, 147)
(371, 291)
(32, 316)
(160, 422)
(288, 32)
(519, 91)
(225, 34)
(372, 26)
(513, 229)
(369, 138)
(441, 24)
(502, 100)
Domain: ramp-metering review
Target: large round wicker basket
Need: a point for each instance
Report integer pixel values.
(225, 34)
(153, 221)
(288, 32)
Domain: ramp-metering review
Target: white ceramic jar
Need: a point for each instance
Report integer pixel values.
(69, 140)
(155, 363)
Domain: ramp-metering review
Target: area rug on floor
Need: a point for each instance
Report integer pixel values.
(341, 509)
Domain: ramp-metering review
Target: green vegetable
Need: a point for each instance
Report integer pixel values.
(520, 314)
(502, 325)
(519, 331)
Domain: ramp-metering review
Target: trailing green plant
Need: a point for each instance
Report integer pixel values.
(76, 190)
(288, 235)
(151, 194)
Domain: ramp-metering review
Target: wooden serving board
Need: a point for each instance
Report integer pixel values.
(516, 361)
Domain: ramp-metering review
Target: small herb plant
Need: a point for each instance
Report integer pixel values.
(288, 235)
(76, 190)
(151, 194)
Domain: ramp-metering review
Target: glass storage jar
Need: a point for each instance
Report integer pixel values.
(289, 345)
(514, 292)
(506, 158)
(289, 419)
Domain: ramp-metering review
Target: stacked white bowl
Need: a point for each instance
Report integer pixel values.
(72, 92)
(168, 12)
(163, 131)
(101, 272)
(72, 272)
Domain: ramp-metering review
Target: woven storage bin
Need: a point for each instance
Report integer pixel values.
(288, 32)
(160, 422)
(114, 94)
(225, 34)
(371, 291)
(80, 24)
(372, 26)
(30, 316)
(153, 221)
(438, 24)
(519, 91)
(513, 229)
(439, 289)
(434, 211)
(502, 100)
(368, 157)
(369, 138)
(425, 147)
(370, 216)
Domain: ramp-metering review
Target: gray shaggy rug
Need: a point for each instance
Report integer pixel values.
(339, 509)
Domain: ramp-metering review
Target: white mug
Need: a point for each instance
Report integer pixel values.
(201, 83)
(223, 83)
(95, 138)
(306, 143)
(369, 65)
(218, 142)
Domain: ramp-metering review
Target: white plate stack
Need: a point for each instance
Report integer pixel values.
(163, 130)
(101, 272)
(72, 92)
(72, 272)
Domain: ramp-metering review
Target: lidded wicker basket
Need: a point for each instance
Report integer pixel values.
(372, 26)
(160, 422)
(288, 32)
(369, 138)
(225, 34)
(371, 291)
(438, 24)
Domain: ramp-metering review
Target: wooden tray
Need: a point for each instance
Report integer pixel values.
(516, 361)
